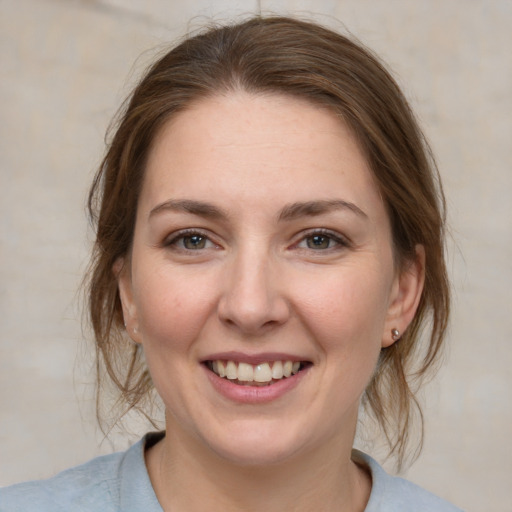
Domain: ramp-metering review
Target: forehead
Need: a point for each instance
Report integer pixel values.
(240, 143)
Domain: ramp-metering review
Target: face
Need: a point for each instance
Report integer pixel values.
(261, 282)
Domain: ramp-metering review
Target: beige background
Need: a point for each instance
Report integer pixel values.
(66, 65)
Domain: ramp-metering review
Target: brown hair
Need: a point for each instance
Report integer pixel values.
(302, 59)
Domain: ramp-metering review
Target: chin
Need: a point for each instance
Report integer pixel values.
(255, 455)
(245, 445)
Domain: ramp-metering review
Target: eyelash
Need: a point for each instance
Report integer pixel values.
(341, 242)
(175, 238)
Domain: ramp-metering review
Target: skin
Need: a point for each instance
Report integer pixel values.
(249, 276)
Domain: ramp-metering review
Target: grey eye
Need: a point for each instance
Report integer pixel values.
(194, 242)
(318, 242)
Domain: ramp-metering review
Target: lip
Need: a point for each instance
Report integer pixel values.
(254, 394)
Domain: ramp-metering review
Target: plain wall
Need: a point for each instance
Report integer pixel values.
(67, 65)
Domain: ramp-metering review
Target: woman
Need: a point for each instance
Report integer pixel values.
(269, 246)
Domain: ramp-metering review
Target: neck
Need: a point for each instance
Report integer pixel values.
(185, 476)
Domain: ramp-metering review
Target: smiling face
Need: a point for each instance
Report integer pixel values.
(261, 281)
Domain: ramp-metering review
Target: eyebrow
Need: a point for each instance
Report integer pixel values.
(190, 206)
(313, 208)
(289, 212)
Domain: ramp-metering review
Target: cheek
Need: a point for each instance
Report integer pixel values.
(172, 307)
(345, 311)
(172, 312)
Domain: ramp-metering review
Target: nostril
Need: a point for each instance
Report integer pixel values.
(254, 314)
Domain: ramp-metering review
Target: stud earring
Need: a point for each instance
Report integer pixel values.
(395, 334)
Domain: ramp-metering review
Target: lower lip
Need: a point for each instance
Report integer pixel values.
(254, 394)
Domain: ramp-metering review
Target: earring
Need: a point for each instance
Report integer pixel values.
(135, 330)
(395, 334)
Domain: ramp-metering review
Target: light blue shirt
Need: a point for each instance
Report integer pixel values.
(120, 483)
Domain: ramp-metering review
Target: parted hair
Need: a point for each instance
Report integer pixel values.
(305, 60)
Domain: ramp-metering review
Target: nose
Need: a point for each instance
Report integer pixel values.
(253, 300)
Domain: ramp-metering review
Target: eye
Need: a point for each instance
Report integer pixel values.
(321, 241)
(194, 242)
(190, 241)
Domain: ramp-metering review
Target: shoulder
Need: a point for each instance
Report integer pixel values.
(102, 484)
(78, 488)
(394, 494)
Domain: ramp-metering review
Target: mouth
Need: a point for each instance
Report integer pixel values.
(257, 375)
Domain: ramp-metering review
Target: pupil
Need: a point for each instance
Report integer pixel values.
(319, 242)
(194, 242)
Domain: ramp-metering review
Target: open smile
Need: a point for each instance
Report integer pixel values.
(261, 374)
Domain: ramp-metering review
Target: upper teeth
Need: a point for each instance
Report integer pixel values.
(263, 372)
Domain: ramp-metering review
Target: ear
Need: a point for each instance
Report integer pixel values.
(405, 297)
(121, 269)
